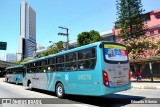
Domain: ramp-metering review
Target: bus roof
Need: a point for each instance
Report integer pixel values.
(69, 51)
(16, 66)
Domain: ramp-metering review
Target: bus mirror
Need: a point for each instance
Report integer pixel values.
(100, 46)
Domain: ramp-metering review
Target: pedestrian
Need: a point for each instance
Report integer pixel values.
(139, 76)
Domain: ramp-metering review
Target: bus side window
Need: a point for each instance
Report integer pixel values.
(87, 59)
(60, 63)
(71, 63)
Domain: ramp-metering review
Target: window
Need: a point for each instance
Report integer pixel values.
(51, 68)
(158, 16)
(71, 63)
(60, 59)
(60, 64)
(43, 69)
(29, 70)
(51, 61)
(44, 62)
(151, 33)
(70, 57)
(38, 63)
(71, 66)
(147, 17)
(60, 67)
(87, 64)
(158, 31)
(87, 59)
(85, 54)
(37, 69)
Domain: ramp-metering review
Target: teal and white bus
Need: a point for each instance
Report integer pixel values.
(14, 74)
(96, 69)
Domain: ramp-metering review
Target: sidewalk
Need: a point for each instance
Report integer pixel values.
(146, 85)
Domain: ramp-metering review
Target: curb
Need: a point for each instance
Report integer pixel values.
(146, 87)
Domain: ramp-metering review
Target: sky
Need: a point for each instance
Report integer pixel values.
(77, 15)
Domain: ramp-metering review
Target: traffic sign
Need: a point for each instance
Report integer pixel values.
(3, 45)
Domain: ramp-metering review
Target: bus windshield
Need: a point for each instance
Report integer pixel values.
(115, 52)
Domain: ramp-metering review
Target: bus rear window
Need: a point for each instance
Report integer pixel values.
(115, 52)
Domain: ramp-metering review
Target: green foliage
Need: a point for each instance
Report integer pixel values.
(130, 18)
(52, 49)
(26, 59)
(17, 62)
(59, 44)
(85, 38)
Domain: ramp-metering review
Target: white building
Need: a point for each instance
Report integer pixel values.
(27, 40)
(10, 57)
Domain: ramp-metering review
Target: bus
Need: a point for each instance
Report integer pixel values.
(14, 74)
(95, 69)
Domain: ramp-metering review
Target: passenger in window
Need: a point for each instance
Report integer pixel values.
(74, 68)
(91, 65)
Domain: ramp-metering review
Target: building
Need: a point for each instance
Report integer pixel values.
(27, 40)
(108, 35)
(153, 23)
(10, 57)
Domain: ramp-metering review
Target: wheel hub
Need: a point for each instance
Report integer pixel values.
(60, 91)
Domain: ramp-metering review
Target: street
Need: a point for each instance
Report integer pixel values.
(8, 90)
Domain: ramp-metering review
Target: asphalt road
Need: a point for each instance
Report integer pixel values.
(8, 90)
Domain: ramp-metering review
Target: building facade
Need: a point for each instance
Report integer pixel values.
(152, 21)
(10, 57)
(27, 40)
(108, 35)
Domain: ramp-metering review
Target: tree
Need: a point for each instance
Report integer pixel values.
(27, 59)
(17, 62)
(85, 38)
(131, 22)
(59, 45)
(52, 49)
(130, 19)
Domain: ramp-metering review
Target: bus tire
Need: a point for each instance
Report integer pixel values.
(16, 81)
(60, 90)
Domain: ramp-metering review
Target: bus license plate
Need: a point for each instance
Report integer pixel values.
(119, 83)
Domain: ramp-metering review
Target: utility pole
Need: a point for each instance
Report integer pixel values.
(65, 34)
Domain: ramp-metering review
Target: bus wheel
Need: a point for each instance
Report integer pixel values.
(16, 81)
(60, 90)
